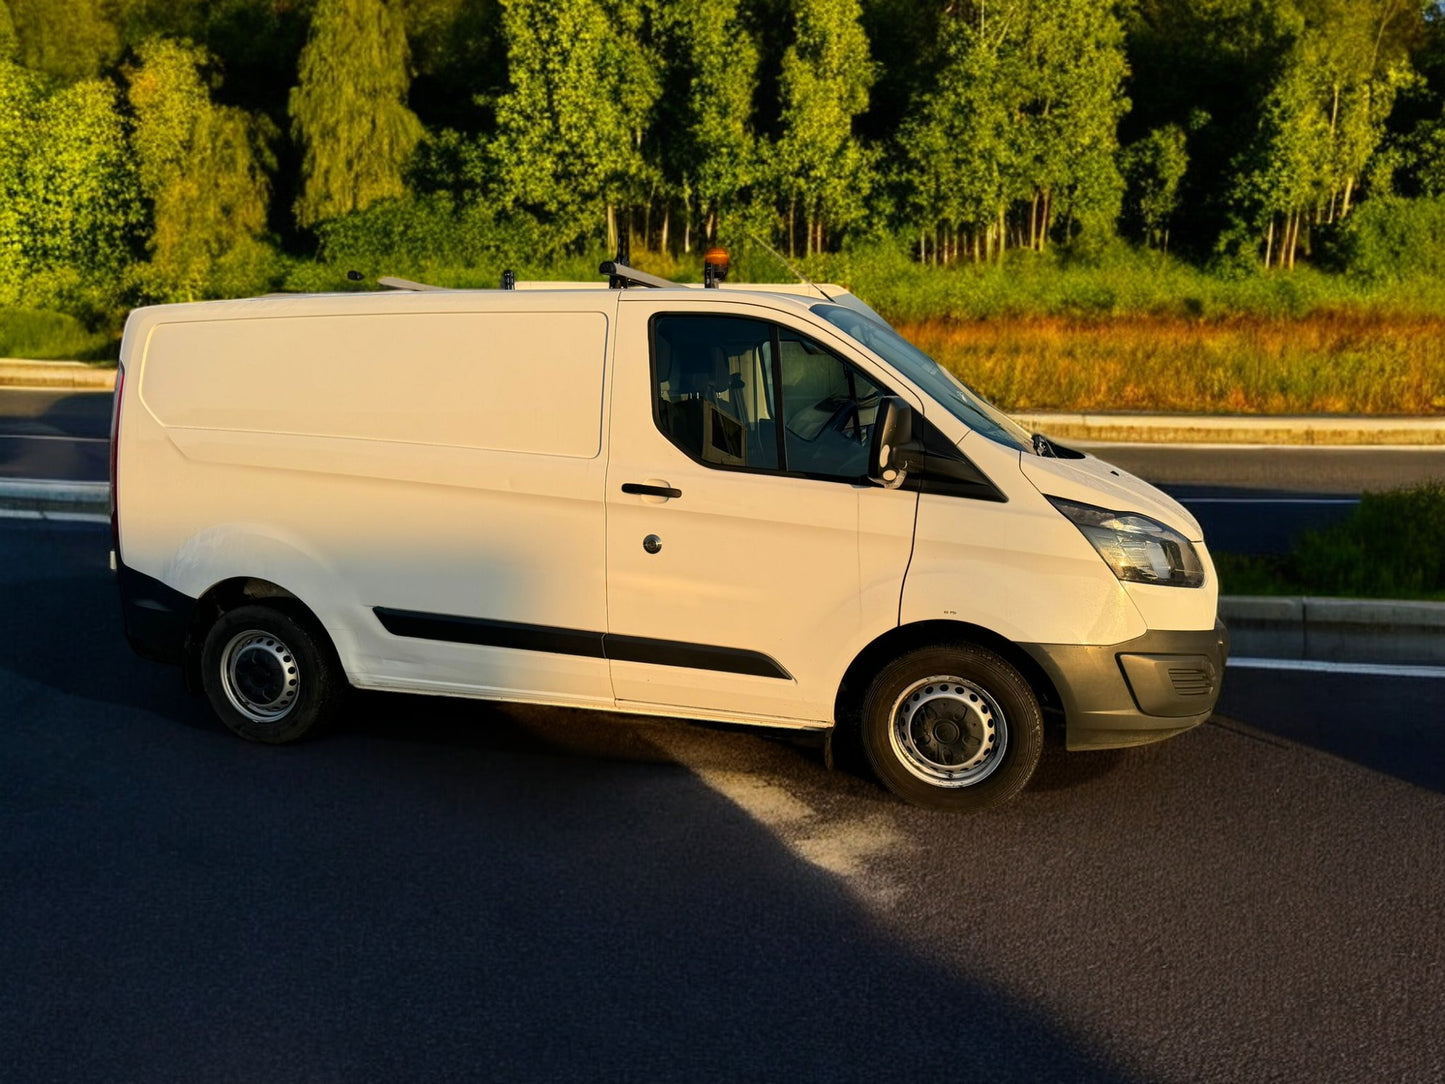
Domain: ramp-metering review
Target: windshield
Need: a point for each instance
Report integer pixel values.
(956, 397)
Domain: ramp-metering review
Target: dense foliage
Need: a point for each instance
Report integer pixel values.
(195, 148)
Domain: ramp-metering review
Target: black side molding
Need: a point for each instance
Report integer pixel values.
(558, 641)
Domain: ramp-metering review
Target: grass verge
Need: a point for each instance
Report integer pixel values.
(44, 336)
(1329, 363)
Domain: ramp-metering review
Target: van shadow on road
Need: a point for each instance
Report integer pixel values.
(373, 906)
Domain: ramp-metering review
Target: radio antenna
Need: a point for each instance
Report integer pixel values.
(785, 262)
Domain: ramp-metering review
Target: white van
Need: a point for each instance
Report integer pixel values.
(754, 504)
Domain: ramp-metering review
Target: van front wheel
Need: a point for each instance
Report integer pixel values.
(952, 728)
(268, 674)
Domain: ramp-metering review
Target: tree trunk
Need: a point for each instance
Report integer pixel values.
(792, 229)
(1349, 191)
(666, 221)
(1269, 244)
(611, 228)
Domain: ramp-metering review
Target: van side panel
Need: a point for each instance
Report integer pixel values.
(442, 463)
(518, 382)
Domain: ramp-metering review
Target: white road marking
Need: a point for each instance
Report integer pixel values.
(1312, 666)
(1268, 500)
(1226, 446)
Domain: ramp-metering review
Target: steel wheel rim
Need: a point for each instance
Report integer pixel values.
(260, 676)
(948, 731)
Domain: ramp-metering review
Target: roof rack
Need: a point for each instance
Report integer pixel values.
(622, 276)
(407, 284)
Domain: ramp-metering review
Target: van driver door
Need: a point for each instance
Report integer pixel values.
(748, 557)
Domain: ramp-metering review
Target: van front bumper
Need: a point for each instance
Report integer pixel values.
(1139, 691)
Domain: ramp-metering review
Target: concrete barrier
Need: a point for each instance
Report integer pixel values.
(40, 498)
(1331, 430)
(1336, 629)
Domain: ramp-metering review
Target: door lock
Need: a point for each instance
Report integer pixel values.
(652, 543)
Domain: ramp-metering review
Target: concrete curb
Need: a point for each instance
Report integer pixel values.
(1335, 629)
(1321, 430)
(40, 498)
(19, 373)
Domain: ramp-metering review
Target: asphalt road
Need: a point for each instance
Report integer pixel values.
(1248, 500)
(446, 890)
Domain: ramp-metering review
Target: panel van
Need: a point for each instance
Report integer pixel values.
(752, 504)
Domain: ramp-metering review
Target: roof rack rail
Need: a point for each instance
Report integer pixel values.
(623, 276)
(407, 284)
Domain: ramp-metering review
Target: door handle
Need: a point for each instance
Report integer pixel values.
(640, 489)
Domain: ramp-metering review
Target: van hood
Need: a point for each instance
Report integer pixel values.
(1092, 481)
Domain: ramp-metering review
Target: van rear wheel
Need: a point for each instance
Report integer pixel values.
(270, 673)
(954, 728)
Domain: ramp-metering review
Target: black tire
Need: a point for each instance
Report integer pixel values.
(953, 727)
(270, 673)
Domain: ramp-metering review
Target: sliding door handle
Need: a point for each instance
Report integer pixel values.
(640, 489)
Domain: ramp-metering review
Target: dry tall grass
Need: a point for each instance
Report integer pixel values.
(1329, 363)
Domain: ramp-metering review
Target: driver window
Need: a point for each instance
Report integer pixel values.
(828, 410)
(716, 382)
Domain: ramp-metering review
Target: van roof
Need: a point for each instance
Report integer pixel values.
(800, 295)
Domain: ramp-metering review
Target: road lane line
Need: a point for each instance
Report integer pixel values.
(1312, 666)
(54, 436)
(1267, 500)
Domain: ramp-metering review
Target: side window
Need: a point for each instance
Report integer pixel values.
(828, 407)
(713, 387)
(716, 383)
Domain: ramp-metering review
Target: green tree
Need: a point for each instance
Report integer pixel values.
(1323, 119)
(348, 110)
(69, 201)
(706, 144)
(958, 157)
(201, 169)
(1018, 130)
(9, 43)
(821, 170)
(69, 39)
(1154, 169)
(582, 83)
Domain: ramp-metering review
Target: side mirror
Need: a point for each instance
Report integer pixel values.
(891, 452)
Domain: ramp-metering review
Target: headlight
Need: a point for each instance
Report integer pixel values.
(1136, 547)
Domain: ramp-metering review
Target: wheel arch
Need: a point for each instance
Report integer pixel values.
(904, 638)
(224, 596)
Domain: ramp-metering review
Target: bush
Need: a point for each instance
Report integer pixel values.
(1393, 240)
(1393, 546)
(32, 333)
